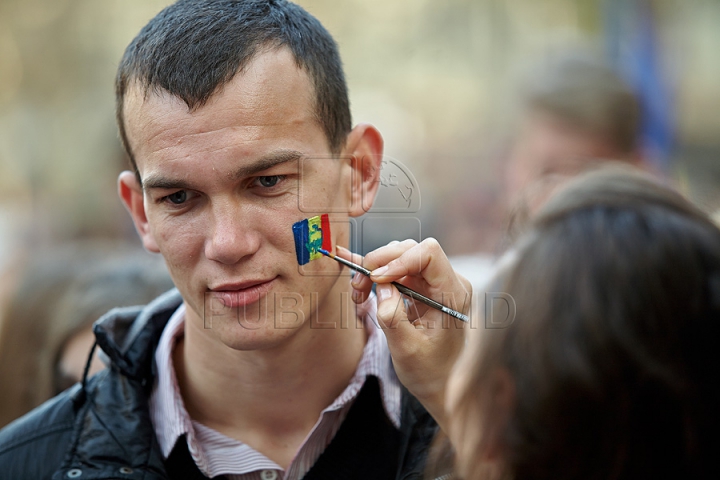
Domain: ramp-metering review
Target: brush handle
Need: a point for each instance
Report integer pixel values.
(347, 263)
(430, 302)
(401, 288)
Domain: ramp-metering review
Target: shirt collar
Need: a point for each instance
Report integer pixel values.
(171, 420)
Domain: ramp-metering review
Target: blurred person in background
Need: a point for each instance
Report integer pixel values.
(46, 337)
(575, 113)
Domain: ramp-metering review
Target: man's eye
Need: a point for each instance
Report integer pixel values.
(269, 181)
(178, 197)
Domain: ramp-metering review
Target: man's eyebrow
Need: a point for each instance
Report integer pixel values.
(157, 181)
(264, 163)
(269, 161)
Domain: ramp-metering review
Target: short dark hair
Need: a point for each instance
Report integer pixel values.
(613, 348)
(194, 47)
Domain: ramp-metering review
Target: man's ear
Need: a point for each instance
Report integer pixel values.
(131, 194)
(365, 147)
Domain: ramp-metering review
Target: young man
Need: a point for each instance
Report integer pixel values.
(236, 120)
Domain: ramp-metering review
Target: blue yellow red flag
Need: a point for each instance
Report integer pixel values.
(311, 235)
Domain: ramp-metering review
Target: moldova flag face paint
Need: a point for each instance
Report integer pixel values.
(311, 235)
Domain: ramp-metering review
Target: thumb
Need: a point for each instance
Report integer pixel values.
(391, 311)
(390, 307)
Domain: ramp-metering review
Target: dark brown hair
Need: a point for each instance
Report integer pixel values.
(612, 354)
(194, 47)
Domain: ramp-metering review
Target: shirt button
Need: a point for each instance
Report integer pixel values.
(268, 475)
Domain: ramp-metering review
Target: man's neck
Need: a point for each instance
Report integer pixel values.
(268, 399)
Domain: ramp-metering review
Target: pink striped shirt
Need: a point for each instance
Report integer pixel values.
(216, 454)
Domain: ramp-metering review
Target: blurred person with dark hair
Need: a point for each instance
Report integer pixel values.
(602, 363)
(47, 336)
(575, 113)
(236, 119)
(610, 368)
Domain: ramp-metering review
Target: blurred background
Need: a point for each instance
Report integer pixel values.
(441, 80)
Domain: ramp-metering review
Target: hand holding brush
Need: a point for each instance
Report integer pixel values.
(423, 341)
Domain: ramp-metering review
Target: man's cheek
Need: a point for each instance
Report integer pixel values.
(177, 233)
(179, 250)
(179, 255)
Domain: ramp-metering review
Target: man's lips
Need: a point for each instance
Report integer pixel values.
(233, 295)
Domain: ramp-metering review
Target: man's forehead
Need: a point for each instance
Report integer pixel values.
(140, 105)
(271, 90)
(269, 63)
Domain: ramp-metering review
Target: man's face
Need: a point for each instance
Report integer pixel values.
(222, 186)
(548, 146)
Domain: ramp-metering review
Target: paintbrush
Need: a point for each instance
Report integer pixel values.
(401, 288)
(313, 239)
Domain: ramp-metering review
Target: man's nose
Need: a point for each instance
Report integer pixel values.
(233, 234)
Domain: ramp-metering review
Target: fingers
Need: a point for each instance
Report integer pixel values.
(343, 252)
(421, 266)
(390, 310)
(392, 315)
(425, 268)
(362, 285)
(426, 260)
(383, 256)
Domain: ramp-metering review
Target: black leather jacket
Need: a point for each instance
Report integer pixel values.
(101, 429)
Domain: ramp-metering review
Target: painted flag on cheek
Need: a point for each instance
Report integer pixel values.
(311, 235)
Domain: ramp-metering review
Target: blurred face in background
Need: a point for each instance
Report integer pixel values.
(548, 146)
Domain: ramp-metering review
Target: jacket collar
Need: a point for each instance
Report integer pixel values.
(129, 335)
(113, 429)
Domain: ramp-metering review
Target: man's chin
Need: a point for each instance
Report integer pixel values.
(252, 340)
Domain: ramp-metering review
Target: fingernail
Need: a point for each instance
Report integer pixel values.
(384, 292)
(379, 272)
(356, 279)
